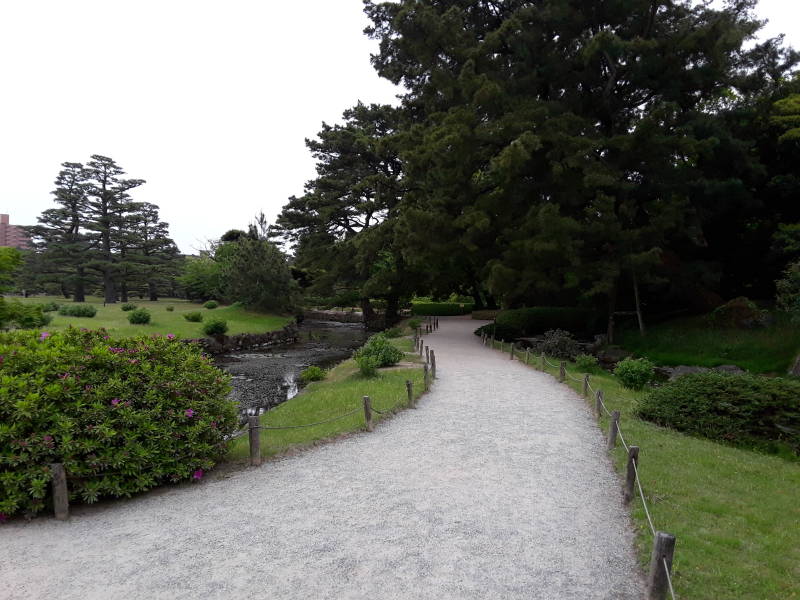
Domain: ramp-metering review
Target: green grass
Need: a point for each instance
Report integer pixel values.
(735, 513)
(692, 341)
(113, 318)
(342, 391)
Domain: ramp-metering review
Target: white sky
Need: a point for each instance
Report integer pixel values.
(210, 102)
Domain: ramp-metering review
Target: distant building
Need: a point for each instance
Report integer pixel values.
(11, 235)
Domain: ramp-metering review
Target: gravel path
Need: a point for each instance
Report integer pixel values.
(497, 487)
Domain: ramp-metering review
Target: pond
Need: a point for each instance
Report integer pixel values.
(262, 379)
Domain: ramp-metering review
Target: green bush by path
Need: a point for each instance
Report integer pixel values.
(312, 373)
(743, 410)
(122, 415)
(440, 309)
(382, 350)
(78, 310)
(635, 373)
(523, 322)
(367, 365)
(139, 316)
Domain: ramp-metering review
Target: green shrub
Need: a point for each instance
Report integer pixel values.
(170, 308)
(586, 363)
(415, 323)
(394, 332)
(77, 310)
(367, 365)
(50, 307)
(15, 314)
(500, 332)
(122, 416)
(744, 410)
(739, 313)
(312, 373)
(441, 309)
(194, 317)
(379, 348)
(485, 315)
(535, 321)
(559, 344)
(214, 327)
(140, 316)
(211, 304)
(128, 306)
(635, 373)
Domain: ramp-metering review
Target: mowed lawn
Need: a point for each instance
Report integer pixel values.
(162, 321)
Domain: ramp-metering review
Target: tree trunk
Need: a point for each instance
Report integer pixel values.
(109, 290)
(64, 291)
(123, 291)
(152, 288)
(477, 298)
(638, 303)
(80, 286)
(612, 306)
(392, 307)
(367, 311)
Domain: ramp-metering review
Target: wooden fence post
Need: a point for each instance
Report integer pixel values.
(512, 350)
(368, 413)
(598, 403)
(60, 491)
(410, 392)
(427, 354)
(433, 365)
(630, 473)
(426, 376)
(492, 340)
(255, 441)
(421, 345)
(562, 371)
(527, 355)
(502, 345)
(613, 429)
(542, 361)
(663, 550)
(586, 385)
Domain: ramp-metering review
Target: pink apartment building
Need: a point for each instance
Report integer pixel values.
(11, 235)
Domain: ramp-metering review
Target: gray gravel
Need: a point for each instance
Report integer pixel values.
(497, 487)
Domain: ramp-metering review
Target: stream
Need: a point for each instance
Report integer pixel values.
(262, 379)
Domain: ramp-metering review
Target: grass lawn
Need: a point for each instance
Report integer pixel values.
(735, 513)
(113, 318)
(340, 392)
(691, 341)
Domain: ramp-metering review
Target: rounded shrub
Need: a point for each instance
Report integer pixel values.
(379, 348)
(635, 373)
(78, 310)
(214, 327)
(586, 363)
(394, 332)
(140, 316)
(559, 344)
(312, 373)
(211, 304)
(500, 332)
(367, 365)
(194, 317)
(50, 307)
(414, 323)
(128, 306)
(170, 308)
(743, 410)
(122, 416)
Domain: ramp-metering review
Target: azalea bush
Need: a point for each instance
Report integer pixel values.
(122, 415)
(381, 349)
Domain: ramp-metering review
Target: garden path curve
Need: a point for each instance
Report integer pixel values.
(498, 486)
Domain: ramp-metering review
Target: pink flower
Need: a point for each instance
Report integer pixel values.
(44, 335)
(189, 413)
(170, 336)
(198, 474)
(115, 401)
(47, 438)
(213, 424)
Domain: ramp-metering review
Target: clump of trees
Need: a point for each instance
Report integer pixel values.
(97, 236)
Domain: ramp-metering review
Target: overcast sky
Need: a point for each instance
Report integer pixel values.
(210, 102)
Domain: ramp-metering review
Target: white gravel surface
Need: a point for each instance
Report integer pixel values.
(496, 487)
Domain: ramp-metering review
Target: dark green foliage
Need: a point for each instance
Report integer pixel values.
(559, 343)
(139, 316)
(485, 315)
(789, 291)
(123, 416)
(194, 316)
(415, 323)
(169, 308)
(744, 410)
(537, 320)
(313, 373)
(77, 310)
(739, 313)
(394, 332)
(635, 373)
(379, 348)
(586, 363)
(440, 309)
(367, 365)
(128, 306)
(15, 314)
(201, 278)
(50, 307)
(500, 332)
(215, 327)
(211, 304)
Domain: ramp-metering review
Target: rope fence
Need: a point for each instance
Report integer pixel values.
(59, 476)
(659, 580)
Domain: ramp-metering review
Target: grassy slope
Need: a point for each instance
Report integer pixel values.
(340, 392)
(734, 512)
(691, 341)
(113, 318)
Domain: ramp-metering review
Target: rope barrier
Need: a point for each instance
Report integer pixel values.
(575, 379)
(352, 412)
(621, 438)
(644, 502)
(669, 577)
(380, 412)
(548, 363)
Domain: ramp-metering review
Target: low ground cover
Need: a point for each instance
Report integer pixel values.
(696, 341)
(164, 321)
(734, 512)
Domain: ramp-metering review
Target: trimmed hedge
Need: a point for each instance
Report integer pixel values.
(123, 415)
(743, 410)
(77, 310)
(538, 319)
(441, 309)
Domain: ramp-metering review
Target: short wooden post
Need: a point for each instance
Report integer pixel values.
(512, 350)
(502, 346)
(255, 441)
(492, 341)
(421, 344)
(586, 385)
(527, 355)
(60, 491)
(427, 376)
(663, 550)
(410, 392)
(427, 354)
(562, 371)
(542, 361)
(433, 365)
(483, 338)
(368, 413)
(613, 429)
(630, 473)
(598, 403)
(437, 323)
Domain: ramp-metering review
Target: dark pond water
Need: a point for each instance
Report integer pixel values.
(263, 379)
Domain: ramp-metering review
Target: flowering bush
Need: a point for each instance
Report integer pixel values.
(122, 415)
